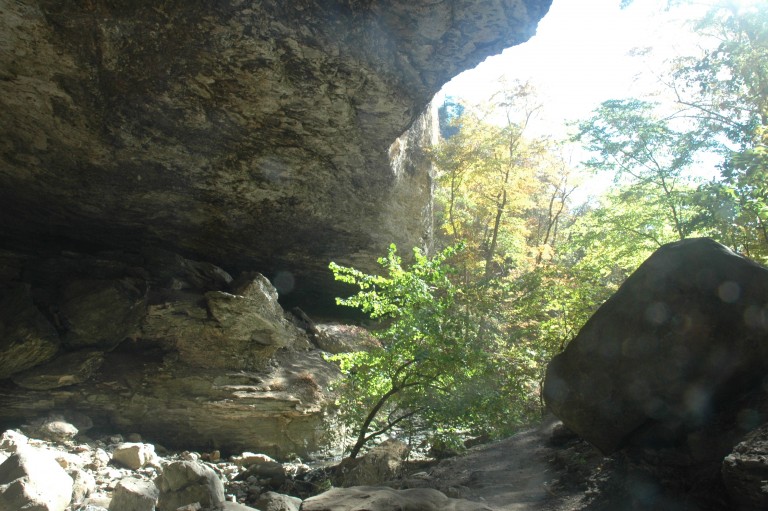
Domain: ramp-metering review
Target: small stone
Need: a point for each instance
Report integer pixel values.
(133, 455)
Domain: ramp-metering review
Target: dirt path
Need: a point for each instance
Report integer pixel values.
(524, 472)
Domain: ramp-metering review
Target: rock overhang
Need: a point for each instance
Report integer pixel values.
(254, 135)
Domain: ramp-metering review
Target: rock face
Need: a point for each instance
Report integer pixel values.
(669, 358)
(191, 358)
(256, 135)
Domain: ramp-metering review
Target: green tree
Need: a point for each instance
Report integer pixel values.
(490, 177)
(437, 360)
(725, 92)
(644, 154)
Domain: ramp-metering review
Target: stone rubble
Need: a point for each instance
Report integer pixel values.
(79, 473)
(108, 473)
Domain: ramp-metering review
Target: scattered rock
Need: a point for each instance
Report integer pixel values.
(54, 428)
(12, 440)
(272, 471)
(83, 484)
(234, 506)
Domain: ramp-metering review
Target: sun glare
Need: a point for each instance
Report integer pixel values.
(585, 53)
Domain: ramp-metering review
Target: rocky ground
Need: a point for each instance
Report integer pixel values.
(51, 465)
(539, 469)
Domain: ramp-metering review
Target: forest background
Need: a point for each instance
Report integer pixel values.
(465, 334)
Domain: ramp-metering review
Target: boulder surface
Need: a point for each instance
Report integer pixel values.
(682, 340)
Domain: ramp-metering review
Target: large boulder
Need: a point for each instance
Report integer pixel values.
(682, 340)
(249, 134)
(236, 329)
(134, 455)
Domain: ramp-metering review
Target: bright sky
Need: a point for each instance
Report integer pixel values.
(580, 57)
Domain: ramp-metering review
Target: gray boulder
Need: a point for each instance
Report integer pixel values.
(235, 506)
(271, 501)
(683, 337)
(12, 440)
(31, 479)
(134, 495)
(83, 484)
(133, 455)
(221, 330)
(186, 482)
